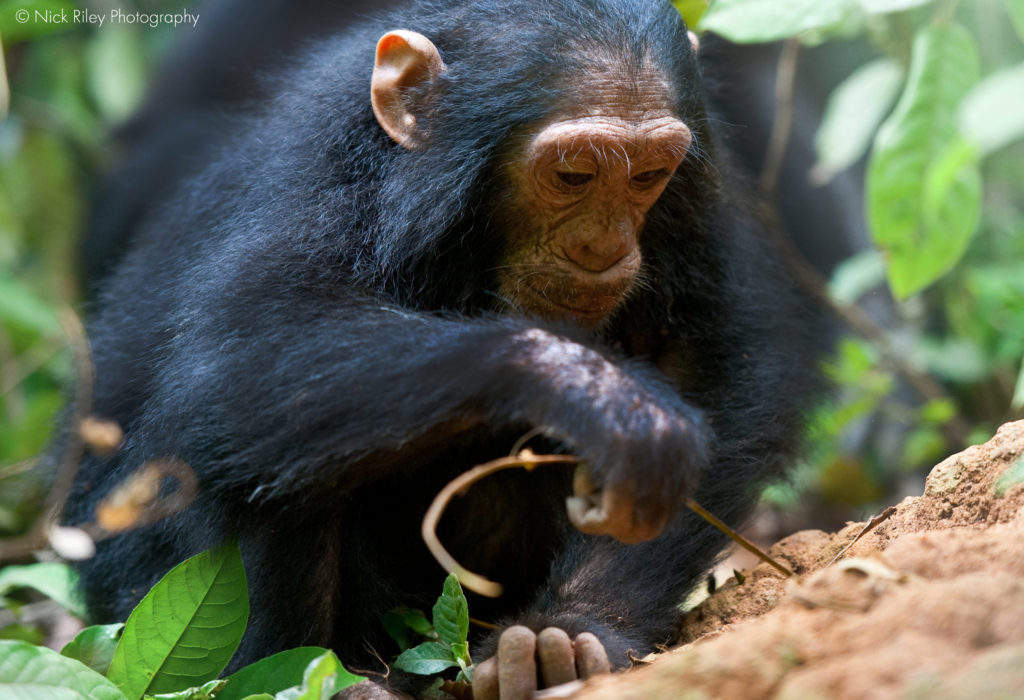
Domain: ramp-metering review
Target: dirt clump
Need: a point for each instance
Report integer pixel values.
(929, 603)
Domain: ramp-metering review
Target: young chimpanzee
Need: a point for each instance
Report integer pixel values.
(453, 225)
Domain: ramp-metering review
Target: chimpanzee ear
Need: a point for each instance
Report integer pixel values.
(404, 59)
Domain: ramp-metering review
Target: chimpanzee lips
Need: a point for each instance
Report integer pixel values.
(560, 298)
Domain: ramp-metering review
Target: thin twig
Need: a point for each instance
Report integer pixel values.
(528, 460)
(871, 525)
(782, 124)
(737, 537)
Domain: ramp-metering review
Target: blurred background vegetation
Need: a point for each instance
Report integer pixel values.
(69, 84)
(933, 118)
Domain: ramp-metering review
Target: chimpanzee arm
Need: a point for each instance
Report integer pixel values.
(302, 399)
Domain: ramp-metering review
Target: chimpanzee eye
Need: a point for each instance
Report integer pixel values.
(574, 179)
(649, 177)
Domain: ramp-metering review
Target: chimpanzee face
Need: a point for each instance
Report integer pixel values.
(581, 190)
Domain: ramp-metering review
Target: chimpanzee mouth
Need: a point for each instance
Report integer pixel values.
(587, 305)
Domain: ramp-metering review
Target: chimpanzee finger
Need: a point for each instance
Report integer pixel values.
(591, 658)
(517, 664)
(485, 680)
(612, 511)
(557, 660)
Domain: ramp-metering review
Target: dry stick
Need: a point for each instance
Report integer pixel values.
(527, 460)
(782, 124)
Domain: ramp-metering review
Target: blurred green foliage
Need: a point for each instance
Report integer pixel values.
(70, 83)
(939, 116)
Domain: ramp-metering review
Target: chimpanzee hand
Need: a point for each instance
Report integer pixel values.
(524, 657)
(642, 446)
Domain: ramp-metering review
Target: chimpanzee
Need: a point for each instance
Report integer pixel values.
(442, 229)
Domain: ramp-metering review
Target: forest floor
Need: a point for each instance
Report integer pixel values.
(927, 604)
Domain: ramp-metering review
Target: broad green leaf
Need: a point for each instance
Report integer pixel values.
(923, 184)
(1016, 10)
(855, 109)
(426, 659)
(94, 646)
(28, 672)
(451, 613)
(324, 677)
(26, 19)
(992, 115)
(753, 21)
(185, 630)
(270, 675)
(56, 581)
(882, 7)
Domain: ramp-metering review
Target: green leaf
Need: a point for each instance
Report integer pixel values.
(426, 659)
(26, 19)
(56, 581)
(992, 115)
(185, 630)
(856, 276)
(116, 72)
(855, 109)
(272, 674)
(691, 10)
(207, 691)
(924, 445)
(938, 411)
(884, 7)
(324, 677)
(923, 184)
(94, 646)
(29, 672)
(20, 305)
(406, 626)
(451, 613)
(753, 21)
(1016, 10)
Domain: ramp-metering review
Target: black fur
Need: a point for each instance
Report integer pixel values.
(311, 323)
